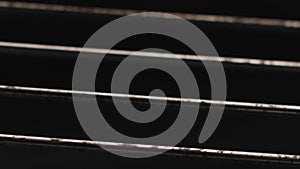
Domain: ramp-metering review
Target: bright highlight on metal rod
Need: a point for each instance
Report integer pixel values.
(261, 62)
(182, 151)
(121, 12)
(158, 98)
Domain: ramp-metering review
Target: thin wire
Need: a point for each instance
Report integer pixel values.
(121, 12)
(158, 98)
(262, 62)
(145, 147)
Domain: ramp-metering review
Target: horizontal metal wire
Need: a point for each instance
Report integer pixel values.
(178, 151)
(121, 12)
(260, 62)
(182, 151)
(157, 98)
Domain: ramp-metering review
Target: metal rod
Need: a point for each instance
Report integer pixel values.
(158, 98)
(178, 151)
(260, 62)
(121, 12)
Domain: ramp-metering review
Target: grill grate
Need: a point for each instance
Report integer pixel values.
(261, 114)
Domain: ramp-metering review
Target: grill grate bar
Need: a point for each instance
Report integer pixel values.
(234, 60)
(157, 98)
(121, 12)
(144, 148)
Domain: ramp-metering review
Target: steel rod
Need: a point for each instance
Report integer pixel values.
(121, 12)
(260, 62)
(157, 98)
(144, 148)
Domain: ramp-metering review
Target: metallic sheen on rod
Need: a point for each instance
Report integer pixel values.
(181, 151)
(158, 98)
(260, 62)
(122, 12)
